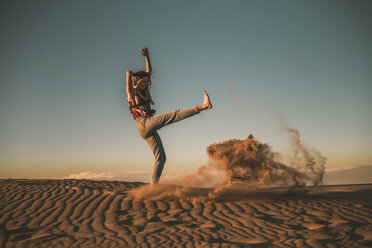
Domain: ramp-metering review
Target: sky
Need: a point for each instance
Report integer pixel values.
(63, 108)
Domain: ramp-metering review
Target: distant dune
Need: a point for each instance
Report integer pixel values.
(354, 175)
(87, 213)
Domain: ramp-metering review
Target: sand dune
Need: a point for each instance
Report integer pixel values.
(353, 175)
(84, 213)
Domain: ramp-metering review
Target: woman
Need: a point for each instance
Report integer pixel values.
(139, 100)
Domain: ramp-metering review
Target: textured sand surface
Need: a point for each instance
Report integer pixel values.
(83, 213)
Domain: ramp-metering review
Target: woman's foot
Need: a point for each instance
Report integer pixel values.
(207, 102)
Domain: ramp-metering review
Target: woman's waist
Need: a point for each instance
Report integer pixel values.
(139, 113)
(142, 110)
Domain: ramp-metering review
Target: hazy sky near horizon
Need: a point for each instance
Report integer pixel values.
(62, 80)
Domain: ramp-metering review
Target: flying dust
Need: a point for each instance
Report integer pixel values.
(241, 167)
(238, 168)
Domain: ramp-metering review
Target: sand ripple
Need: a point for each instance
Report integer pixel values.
(83, 213)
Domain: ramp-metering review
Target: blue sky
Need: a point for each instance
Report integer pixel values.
(62, 75)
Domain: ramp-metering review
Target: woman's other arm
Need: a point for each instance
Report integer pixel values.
(145, 52)
(130, 89)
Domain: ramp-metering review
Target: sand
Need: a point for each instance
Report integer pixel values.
(84, 213)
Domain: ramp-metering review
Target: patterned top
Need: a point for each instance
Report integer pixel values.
(139, 107)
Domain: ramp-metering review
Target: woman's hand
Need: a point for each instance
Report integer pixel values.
(145, 51)
(129, 73)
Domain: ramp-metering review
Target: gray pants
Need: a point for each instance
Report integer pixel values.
(147, 128)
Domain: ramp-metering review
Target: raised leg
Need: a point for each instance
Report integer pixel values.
(155, 123)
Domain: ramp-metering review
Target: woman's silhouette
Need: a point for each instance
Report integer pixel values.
(140, 101)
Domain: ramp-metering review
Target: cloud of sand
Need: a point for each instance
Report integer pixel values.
(253, 163)
(239, 167)
(206, 176)
(303, 159)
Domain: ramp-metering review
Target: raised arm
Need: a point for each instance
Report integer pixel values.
(130, 89)
(145, 52)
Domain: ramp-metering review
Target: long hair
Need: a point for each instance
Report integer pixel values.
(144, 94)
